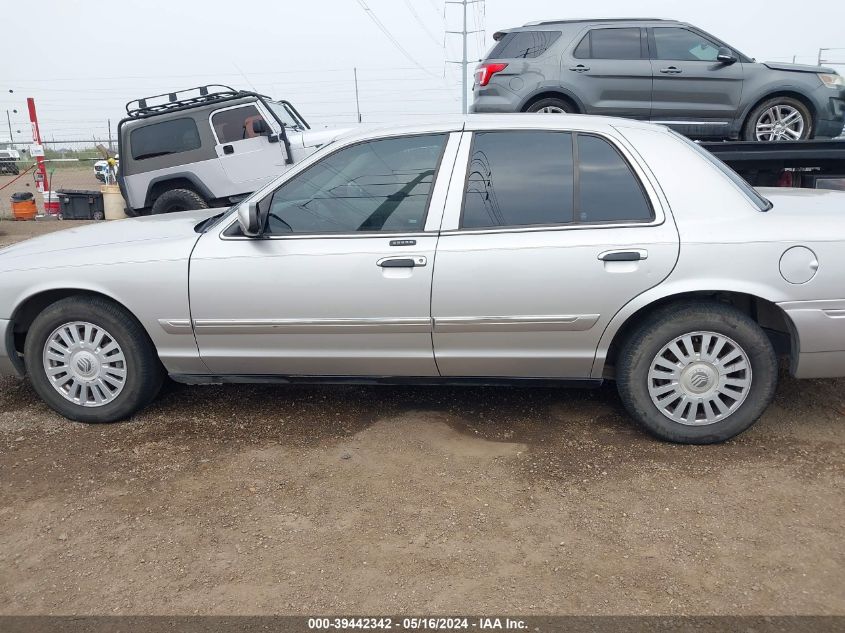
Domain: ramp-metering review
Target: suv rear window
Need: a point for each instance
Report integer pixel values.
(610, 44)
(167, 137)
(523, 44)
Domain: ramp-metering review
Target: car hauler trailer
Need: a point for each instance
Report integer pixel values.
(816, 164)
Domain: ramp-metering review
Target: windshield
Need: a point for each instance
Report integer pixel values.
(284, 116)
(762, 203)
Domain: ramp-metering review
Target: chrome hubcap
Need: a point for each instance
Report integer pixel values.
(551, 110)
(85, 364)
(699, 378)
(780, 123)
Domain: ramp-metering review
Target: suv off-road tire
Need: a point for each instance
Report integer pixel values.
(552, 104)
(178, 200)
(643, 347)
(749, 130)
(143, 373)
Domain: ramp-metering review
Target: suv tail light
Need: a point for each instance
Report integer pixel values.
(484, 73)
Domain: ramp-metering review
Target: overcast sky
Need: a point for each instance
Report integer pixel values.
(83, 60)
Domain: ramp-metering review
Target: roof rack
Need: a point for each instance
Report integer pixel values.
(181, 99)
(545, 22)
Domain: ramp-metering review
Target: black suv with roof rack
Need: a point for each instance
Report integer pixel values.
(662, 71)
(207, 146)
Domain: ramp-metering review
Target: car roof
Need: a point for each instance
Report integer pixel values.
(551, 25)
(482, 122)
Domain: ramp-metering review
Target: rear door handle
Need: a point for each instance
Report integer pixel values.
(580, 68)
(629, 255)
(228, 149)
(407, 261)
(671, 70)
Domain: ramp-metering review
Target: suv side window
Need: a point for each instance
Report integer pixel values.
(610, 43)
(381, 185)
(536, 178)
(678, 44)
(522, 44)
(235, 124)
(167, 137)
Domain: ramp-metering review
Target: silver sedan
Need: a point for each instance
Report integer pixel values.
(491, 250)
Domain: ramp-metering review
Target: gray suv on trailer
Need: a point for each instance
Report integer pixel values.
(661, 71)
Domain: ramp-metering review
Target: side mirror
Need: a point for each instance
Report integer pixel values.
(726, 55)
(249, 217)
(259, 127)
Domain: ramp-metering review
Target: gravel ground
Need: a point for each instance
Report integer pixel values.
(296, 500)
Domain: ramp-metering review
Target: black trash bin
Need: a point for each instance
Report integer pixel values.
(80, 204)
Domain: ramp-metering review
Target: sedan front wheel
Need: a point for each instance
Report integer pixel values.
(697, 373)
(91, 361)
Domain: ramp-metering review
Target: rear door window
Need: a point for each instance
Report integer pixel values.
(167, 137)
(523, 44)
(610, 44)
(535, 178)
(519, 179)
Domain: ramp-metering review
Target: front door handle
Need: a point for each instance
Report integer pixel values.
(624, 255)
(228, 149)
(406, 261)
(579, 68)
(671, 70)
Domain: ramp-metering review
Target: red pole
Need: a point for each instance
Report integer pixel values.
(36, 139)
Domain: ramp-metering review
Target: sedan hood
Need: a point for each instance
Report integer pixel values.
(170, 235)
(798, 68)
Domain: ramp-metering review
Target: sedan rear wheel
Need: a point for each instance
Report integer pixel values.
(697, 373)
(91, 361)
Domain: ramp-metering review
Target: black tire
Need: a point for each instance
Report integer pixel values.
(98, 215)
(176, 200)
(551, 102)
(661, 328)
(749, 129)
(144, 373)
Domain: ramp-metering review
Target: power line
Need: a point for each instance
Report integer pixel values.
(389, 36)
(430, 35)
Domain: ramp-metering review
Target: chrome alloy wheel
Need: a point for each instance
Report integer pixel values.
(699, 378)
(85, 364)
(551, 110)
(780, 123)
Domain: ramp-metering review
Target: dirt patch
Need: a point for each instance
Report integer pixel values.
(272, 499)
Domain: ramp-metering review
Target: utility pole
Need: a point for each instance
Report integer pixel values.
(111, 147)
(464, 32)
(357, 103)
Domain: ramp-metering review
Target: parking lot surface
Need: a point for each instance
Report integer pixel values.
(303, 500)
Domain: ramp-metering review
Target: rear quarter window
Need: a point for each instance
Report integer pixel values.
(167, 137)
(523, 44)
